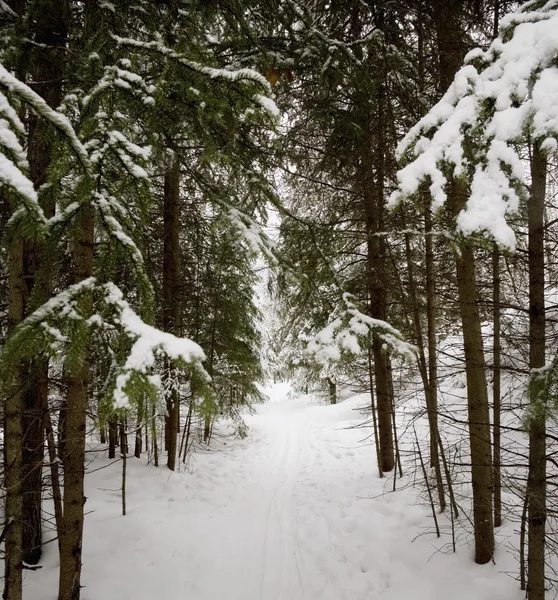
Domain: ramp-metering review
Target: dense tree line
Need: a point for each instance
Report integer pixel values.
(142, 145)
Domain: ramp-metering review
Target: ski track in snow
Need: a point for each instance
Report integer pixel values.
(294, 512)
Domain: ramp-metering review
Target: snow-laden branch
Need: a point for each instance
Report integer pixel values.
(51, 329)
(495, 100)
(150, 343)
(345, 331)
(243, 75)
(14, 165)
(16, 87)
(253, 234)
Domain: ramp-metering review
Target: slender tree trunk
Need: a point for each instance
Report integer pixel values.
(47, 27)
(187, 429)
(206, 428)
(124, 456)
(536, 484)
(171, 293)
(451, 50)
(155, 442)
(75, 418)
(54, 474)
(13, 436)
(376, 252)
(374, 417)
(103, 434)
(112, 430)
(431, 329)
(431, 408)
(35, 399)
(496, 387)
(332, 391)
(477, 401)
(139, 441)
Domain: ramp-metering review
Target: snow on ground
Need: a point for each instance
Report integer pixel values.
(294, 512)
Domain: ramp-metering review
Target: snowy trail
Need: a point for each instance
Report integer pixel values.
(294, 512)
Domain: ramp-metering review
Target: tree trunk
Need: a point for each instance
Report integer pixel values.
(332, 391)
(451, 50)
(13, 436)
(477, 403)
(124, 456)
(47, 27)
(536, 484)
(373, 179)
(35, 401)
(431, 330)
(112, 430)
(431, 408)
(139, 439)
(496, 387)
(75, 425)
(54, 474)
(171, 294)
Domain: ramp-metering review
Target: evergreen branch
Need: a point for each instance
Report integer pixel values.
(13, 85)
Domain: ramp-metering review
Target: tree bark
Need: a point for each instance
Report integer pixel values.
(451, 50)
(332, 391)
(47, 27)
(536, 483)
(373, 161)
(431, 408)
(431, 331)
(477, 392)
(75, 428)
(13, 436)
(496, 386)
(477, 402)
(113, 435)
(171, 293)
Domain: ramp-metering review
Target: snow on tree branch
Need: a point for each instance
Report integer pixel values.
(150, 343)
(53, 326)
(234, 75)
(13, 85)
(345, 330)
(13, 164)
(495, 100)
(253, 233)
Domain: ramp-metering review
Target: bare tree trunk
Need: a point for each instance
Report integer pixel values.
(207, 428)
(377, 293)
(477, 393)
(431, 408)
(332, 391)
(103, 434)
(431, 329)
(187, 429)
(54, 474)
(496, 387)
(477, 402)
(35, 399)
(124, 456)
(112, 427)
(374, 418)
(536, 483)
(154, 439)
(139, 439)
(171, 293)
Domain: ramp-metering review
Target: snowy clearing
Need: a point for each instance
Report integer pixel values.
(296, 511)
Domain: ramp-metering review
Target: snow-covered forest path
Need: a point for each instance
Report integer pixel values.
(293, 512)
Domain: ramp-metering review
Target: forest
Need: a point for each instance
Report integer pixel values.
(205, 200)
